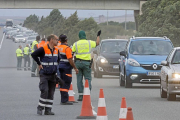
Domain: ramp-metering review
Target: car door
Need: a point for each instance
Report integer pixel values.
(165, 69)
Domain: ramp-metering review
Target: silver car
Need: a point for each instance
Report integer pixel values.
(170, 75)
(20, 38)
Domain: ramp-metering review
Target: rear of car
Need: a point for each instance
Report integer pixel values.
(143, 60)
(106, 59)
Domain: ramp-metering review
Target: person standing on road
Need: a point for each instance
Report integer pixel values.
(65, 68)
(82, 49)
(19, 55)
(42, 43)
(26, 57)
(49, 58)
(33, 48)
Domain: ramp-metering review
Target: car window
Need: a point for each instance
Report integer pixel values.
(150, 47)
(169, 56)
(113, 47)
(176, 57)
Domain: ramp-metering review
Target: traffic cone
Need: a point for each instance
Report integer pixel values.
(123, 109)
(71, 94)
(101, 113)
(129, 114)
(86, 110)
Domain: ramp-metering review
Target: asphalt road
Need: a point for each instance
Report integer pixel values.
(19, 95)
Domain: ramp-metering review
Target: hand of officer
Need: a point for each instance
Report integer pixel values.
(40, 67)
(77, 71)
(99, 33)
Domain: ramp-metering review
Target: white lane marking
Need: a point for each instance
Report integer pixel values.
(2, 41)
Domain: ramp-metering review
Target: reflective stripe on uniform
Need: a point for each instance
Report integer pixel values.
(80, 93)
(64, 60)
(41, 104)
(50, 106)
(62, 53)
(83, 52)
(51, 55)
(69, 75)
(64, 90)
(51, 63)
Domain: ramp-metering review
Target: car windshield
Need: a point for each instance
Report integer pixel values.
(176, 58)
(150, 47)
(113, 47)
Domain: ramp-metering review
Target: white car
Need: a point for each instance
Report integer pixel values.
(19, 38)
(170, 75)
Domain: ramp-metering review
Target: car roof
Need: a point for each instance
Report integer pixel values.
(177, 48)
(110, 40)
(150, 38)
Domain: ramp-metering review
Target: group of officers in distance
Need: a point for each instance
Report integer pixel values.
(55, 61)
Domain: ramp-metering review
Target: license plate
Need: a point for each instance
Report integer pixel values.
(153, 73)
(116, 66)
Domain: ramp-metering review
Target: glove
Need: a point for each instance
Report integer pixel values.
(59, 81)
(99, 33)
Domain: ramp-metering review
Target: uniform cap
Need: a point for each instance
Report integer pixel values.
(63, 37)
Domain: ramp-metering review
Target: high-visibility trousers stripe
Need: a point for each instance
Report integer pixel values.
(64, 90)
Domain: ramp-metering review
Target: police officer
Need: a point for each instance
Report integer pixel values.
(26, 57)
(82, 48)
(19, 55)
(33, 48)
(49, 57)
(65, 68)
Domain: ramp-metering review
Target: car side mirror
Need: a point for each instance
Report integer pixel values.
(123, 53)
(164, 63)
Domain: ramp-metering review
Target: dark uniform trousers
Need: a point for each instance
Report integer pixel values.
(47, 87)
(66, 76)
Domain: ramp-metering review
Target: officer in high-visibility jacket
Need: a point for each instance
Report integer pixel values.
(49, 58)
(82, 49)
(19, 55)
(33, 48)
(65, 68)
(26, 57)
(42, 43)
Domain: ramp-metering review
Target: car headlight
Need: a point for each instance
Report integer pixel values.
(133, 62)
(103, 60)
(175, 75)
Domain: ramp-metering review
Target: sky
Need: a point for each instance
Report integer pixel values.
(65, 13)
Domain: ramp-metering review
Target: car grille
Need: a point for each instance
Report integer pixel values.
(111, 70)
(149, 67)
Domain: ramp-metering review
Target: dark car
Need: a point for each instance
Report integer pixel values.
(106, 56)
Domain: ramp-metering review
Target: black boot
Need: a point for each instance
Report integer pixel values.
(48, 112)
(67, 103)
(39, 111)
(80, 98)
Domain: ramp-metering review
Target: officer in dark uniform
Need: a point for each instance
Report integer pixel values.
(65, 68)
(49, 57)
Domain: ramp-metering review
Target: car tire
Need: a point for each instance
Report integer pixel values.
(163, 93)
(170, 97)
(127, 83)
(121, 82)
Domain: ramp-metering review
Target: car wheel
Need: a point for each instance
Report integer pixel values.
(121, 82)
(127, 83)
(170, 97)
(163, 93)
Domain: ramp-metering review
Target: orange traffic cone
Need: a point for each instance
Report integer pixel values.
(129, 114)
(123, 109)
(71, 94)
(101, 114)
(86, 110)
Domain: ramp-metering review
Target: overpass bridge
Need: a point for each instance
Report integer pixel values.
(72, 4)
